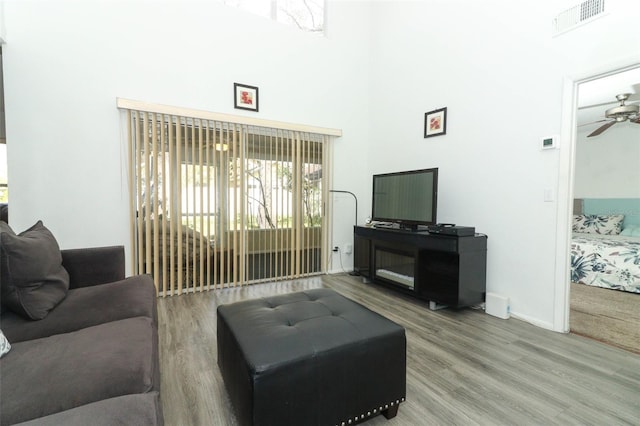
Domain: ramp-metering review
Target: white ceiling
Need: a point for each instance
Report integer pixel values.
(596, 96)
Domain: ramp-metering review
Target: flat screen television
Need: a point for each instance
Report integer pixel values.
(406, 198)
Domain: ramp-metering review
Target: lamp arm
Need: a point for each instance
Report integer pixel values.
(354, 197)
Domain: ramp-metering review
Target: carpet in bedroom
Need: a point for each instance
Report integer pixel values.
(610, 316)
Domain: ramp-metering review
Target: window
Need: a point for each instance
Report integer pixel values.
(306, 15)
(4, 188)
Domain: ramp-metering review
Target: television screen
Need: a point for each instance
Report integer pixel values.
(407, 198)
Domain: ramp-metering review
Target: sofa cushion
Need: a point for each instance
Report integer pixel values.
(88, 306)
(33, 278)
(94, 265)
(4, 212)
(50, 375)
(138, 409)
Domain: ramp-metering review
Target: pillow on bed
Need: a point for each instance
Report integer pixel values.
(631, 231)
(598, 224)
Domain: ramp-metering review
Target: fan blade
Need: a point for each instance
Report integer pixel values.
(636, 120)
(593, 122)
(602, 129)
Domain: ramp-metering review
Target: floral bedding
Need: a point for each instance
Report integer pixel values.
(609, 261)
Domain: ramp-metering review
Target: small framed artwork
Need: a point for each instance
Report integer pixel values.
(435, 122)
(245, 97)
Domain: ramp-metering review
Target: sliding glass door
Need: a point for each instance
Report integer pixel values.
(218, 204)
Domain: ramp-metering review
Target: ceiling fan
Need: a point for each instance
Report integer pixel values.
(618, 114)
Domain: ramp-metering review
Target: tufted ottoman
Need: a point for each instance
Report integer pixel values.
(310, 358)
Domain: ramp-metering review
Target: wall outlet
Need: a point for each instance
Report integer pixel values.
(336, 248)
(348, 248)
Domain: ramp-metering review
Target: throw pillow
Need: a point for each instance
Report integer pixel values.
(631, 231)
(628, 230)
(598, 224)
(5, 346)
(33, 278)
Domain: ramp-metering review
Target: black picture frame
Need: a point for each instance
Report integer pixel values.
(435, 122)
(245, 97)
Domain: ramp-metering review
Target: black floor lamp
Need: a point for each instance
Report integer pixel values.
(353, 272)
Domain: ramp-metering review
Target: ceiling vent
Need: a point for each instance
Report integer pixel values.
(578, 15)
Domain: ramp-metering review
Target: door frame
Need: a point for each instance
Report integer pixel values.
(566, 171)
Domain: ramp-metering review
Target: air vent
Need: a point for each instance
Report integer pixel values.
(578, 15)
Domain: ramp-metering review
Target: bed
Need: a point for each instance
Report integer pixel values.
(609, 261)
(605, 250)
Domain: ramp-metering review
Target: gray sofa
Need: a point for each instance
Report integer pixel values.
(93, 357)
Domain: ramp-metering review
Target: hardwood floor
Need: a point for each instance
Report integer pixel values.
(463, 367)
(610, 316)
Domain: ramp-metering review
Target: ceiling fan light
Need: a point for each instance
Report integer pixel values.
(622, 111)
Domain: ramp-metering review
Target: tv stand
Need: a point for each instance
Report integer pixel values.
(442, 269)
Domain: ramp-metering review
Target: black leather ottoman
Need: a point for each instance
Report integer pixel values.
(310, 358)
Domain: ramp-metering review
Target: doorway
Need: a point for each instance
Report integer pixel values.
(603, 302)
(566, 164)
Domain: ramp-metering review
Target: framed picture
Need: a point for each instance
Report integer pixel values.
(245, 97)
(435, 122)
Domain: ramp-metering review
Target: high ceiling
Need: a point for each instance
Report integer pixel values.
(594, 97)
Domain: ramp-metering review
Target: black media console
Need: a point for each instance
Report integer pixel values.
(444, 269)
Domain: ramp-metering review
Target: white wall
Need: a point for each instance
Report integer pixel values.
(608, 165)
(385, 63)
(3, 31)
(498, 69)
(66, 61)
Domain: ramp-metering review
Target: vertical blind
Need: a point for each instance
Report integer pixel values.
(219, 200)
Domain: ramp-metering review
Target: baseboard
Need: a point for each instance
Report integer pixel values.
(533, 321)
(337, 271)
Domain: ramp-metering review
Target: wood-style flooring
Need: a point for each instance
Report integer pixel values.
(610, 316)
(463, 367)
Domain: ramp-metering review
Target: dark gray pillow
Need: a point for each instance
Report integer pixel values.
(33, 278)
